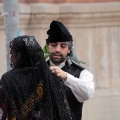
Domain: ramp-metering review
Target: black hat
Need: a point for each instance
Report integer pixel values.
(58, 33)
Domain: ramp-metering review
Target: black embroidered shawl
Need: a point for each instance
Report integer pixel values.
(31, 91)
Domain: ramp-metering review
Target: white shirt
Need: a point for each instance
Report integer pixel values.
(82, 87)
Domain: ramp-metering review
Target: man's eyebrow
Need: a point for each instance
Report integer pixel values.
(64, 43)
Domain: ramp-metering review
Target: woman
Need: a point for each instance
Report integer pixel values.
(30, 91)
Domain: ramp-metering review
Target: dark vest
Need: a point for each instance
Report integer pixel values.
(75, 105)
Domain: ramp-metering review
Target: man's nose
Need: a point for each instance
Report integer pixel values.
(58, 48)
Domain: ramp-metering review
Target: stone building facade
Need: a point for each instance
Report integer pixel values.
(95, 26)
(66, 1)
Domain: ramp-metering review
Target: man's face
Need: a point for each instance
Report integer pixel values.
(59, 51)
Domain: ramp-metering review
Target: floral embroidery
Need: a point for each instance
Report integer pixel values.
(29, 41)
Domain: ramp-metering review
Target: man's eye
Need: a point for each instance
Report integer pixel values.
(53, 44)
(63, 46)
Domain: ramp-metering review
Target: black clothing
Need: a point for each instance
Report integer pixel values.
(32, 91)
(76, 106)
(58, 33)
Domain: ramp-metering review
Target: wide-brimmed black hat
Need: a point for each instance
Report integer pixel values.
(58, 33)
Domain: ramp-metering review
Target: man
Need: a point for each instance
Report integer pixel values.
(30, 91)
(78, 81)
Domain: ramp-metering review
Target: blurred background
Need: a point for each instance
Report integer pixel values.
(95, 27)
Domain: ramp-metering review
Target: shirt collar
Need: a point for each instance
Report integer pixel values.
(61, 65)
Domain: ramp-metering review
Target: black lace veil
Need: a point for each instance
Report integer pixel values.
(54, 105)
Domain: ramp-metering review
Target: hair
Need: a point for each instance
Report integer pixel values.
(72, 53)
(70, 44)
(19, 53)
(22, 55)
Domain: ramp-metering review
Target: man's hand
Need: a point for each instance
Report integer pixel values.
(59, 72)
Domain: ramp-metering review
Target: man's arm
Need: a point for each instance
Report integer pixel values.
(82, 87)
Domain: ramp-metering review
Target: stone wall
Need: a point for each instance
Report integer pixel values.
(64, 1)
(67, 1)
(96, 32)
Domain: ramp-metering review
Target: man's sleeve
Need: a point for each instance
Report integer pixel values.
(82, 87)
